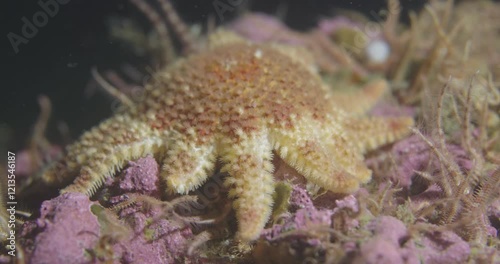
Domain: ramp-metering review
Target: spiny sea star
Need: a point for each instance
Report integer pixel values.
(238, 102)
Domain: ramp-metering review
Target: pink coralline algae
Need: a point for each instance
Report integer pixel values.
(260, 27)
(413, 154)
(349, 203)
(330, 26)
(304, 228)
(141, 176)
(27, 163)
(390, 243)
(304, 215)
(386, 239)
(296, 234)
(299, 199)
(388, 109)
(69, 232)
(65, 229)
(155, 239)
(443, 248)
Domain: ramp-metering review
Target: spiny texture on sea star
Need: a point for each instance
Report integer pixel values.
(237, 102)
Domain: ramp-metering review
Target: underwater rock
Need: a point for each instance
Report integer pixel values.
(305, 231)
(5, 259)
(349, 202)
(155, 239)
(72, 229)
(303, 219)
(155, 236)
(413, 154)
(141, 176)
(299, 199)
(443, 247)
(260, 27)
(390, 243)
(303, 215)
(344, 214)
(65, 230)
(297, 234)
(379, 250)
(27, 160)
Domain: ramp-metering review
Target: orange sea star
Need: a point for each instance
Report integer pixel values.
(236, 102)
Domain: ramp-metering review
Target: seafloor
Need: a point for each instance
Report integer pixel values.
(433, 196)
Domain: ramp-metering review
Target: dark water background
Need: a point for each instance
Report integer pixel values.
(57, 60)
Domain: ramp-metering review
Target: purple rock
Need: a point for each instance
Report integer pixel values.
(390, 243)
(378, 250)
(389, 228)
(300, 199)
(68, 229)
(141, 176)
(349, 202)
(27, 164)
(5, 259)
(303, 216)
(443, 248)
(157, 239)
(260, 27)
(344, 213)
(413, 154)
(302, 219)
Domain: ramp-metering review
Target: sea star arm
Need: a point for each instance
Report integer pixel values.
(187, 164)
(102, 151)
(360, 101)
(344, 153)
(250, 182)
(372, 132)
(322, 155)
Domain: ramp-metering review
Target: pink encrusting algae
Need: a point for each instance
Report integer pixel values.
(64, 231)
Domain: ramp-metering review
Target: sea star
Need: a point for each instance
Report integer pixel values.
(236, 102)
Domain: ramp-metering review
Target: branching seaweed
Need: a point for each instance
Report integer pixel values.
(465, 194)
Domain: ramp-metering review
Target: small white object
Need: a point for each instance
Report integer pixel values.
(258, 54)
(378, 51)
